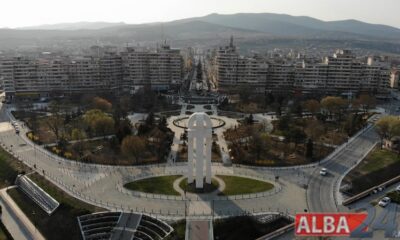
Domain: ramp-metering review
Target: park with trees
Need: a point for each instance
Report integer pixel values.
(98, 132)
(305, 132)
(382, 163)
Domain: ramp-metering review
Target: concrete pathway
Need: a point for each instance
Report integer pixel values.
(223, 145)
(83, 140)
(177, 188)
(12, 224)
(266, 120)
(173, 154)
(136, 118)
(199, 230)
(229, 122)
(16, 222)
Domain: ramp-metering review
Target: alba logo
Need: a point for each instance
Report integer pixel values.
(328, 224)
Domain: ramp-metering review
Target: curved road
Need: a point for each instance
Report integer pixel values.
(322, 192)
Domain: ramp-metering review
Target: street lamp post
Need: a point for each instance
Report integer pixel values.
(33, 221)
(185, 201)
(212, 210)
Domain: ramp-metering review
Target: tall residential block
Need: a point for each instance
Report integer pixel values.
(102, 70)
(341, 73)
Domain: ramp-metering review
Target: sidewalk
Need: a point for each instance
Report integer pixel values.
(16, 222)
(176, 141)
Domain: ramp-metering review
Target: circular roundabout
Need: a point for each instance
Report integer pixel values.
(221, 186)
(182, 122)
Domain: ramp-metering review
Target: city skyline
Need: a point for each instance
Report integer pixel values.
(47, 12)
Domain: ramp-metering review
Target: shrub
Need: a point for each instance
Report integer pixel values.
(68, 155)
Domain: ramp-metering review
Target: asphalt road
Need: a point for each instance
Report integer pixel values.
(322, 195)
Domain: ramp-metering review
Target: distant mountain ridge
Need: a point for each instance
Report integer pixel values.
(283, 24)
(74, 26)
(270, 23)
(251, 31)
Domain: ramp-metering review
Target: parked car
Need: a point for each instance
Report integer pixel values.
(398, 188)
(323, 172)
(384, 202)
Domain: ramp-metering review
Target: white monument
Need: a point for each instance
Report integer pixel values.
(199, 148)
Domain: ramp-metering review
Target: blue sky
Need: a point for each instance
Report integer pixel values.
(18, 13)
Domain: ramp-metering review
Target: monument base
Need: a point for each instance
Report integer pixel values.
(191, 187)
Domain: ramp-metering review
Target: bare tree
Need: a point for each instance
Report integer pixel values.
(55, 121)
(133, 146)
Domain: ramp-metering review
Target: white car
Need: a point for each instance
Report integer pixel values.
(398, 188)
(323, 172)
(384, 202)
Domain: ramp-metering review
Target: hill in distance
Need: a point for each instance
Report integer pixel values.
(277, 25)
(249, 29)
(287, 25)
(74, 26)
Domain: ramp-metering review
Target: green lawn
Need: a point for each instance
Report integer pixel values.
(62, 224)
(156, 185)
(9, 169)
(179, 231)
(378, 159)
(207, 188)
(378, 167)
(240, 185)
(60, 195)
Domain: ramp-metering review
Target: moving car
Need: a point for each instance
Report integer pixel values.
(384, 202)
(323, 172)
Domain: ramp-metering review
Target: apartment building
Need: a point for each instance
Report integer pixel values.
(280, 77)
(394, 78)
(21, 73)
(52, 74)
(106, 71)
(341, 73)
(226, 63)
(310, 77)
(161, 69)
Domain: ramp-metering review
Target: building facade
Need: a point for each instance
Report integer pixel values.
(107, 71)
(341, 73)
(394, 78)
(161, 69)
